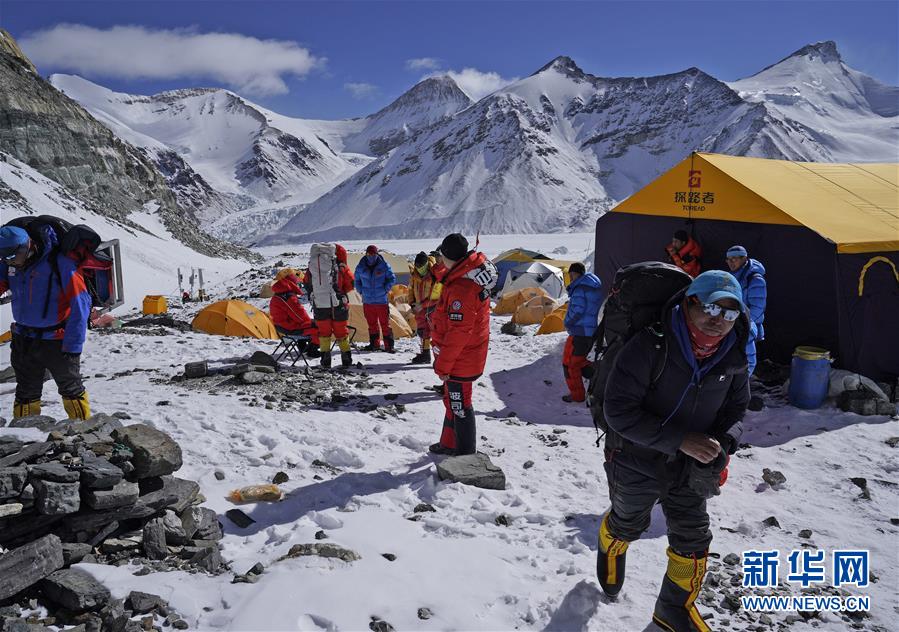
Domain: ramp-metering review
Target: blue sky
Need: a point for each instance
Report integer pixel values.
(341, 59)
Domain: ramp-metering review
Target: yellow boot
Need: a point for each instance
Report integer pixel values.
(26, 409)
(77, 407)
(610, 559)
(675, 609)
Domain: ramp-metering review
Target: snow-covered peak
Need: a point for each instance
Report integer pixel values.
(565, 65)
(440, 91)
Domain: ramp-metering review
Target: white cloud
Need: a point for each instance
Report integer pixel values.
(477, 84)
(247, 64)
(360, 90)
(423, 63)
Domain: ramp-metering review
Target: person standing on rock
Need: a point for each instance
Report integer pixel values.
(288, 314)
(751, 276)
(581, 317)
(329, 281)
(374, 278)
(674, 404)
(685, 252)
(50, 307)
(460, 329)
(421, 286)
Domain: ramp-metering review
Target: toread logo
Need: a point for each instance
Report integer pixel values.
(457, 305)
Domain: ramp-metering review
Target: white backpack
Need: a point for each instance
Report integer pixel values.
(323, 274)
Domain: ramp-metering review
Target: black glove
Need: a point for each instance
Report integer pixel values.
(703, 478)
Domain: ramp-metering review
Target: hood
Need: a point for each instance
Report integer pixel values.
(340, 253)
(755, 267)
(475, 267)
(287, 284)
(589, 280)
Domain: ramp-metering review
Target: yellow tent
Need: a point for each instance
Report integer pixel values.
(554, 321)
(406, 310)
(534, 311)
(234, 318)
(398, 294)
(398, 324)
(6, 337)
(508, 303)
(266, 290)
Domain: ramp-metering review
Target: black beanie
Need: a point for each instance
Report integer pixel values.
(421, 259)
(578, 267)
(454, 247)
(681, 235)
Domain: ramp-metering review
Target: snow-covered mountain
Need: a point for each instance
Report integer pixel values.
(552, 151)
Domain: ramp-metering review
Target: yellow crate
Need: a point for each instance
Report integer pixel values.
(155, 304)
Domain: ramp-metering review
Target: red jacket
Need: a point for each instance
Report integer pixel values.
(286, 310)
(460, 324)
(687, 258)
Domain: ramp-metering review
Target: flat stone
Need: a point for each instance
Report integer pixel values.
(174, 530)
(28, 564)
(201, 523)
(117, 545)
(10, 445)
(773, 477)
(239, 518)
(76, 590)
(154, 540)
(41, 422)
(182, 492)
(98, 473)
(74, 552)
(472, 469)
(11, 509)
(25, 527)
(28, 453)
(56, 499)
(113, 616)
(104, 533)
(142, 603)
(12, 481)
(55, 472)
(99, 423)
(252, 377)
(92, 520)
(155, 453)
(208, 559)
(121, 495)
(322, 549)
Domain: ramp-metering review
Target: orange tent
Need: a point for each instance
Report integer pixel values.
(397, 294)
(554, 321)
(398, 324)
(534, 311)
(511, 301)
(234, 318)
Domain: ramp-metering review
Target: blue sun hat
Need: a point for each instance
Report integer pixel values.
(11, 239)
(715, 285)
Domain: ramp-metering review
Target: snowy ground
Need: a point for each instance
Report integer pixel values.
(472, 573)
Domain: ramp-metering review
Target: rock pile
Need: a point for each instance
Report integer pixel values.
(96, 491)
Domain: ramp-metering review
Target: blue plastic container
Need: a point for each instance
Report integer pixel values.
(809, 377)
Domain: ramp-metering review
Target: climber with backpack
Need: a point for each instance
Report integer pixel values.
(51, 306)
(328, 281)
(418, 297)
(670, 387)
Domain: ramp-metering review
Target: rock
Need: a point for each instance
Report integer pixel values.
(207, 558)
(76, 590)
(380, 626)
(773, 477)
(261, 358)
(424, 614)
(731, 559)
(423, 507)
(756, 403)
(11, 509)
(28, 453)
(730, 602)
(99, 423)
(180, 624)
(122, 494)
(252, 377)
(502, 520)
(113, 616)
(390, 557)
(155, 453)
(12, 481)
(118, 545)
(892, 442)
(98, 473)
(154, 540)
(219, 475)
(528, 465)
(202, 523)
(861, 483)
(74, 552)
(239, 518)
(143, 603)
(181, 493)
(104, 533)
(322, 549)
(321, 535)
(41, 422)
(56, 499)
(512, 329)
(280, 478)
(174, 530)
(771, 521)
(28, 564)
(56, 472)
(472, 469)
(805, 533)
(10, 445)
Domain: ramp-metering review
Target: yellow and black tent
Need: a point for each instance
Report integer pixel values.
(827, 233)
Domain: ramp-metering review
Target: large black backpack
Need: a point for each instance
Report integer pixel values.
(78, 242)
(639, 293)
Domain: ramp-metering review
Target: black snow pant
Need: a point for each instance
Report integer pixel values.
(633, 493)
(31, 357)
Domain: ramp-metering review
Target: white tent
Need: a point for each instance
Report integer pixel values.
(535, 274)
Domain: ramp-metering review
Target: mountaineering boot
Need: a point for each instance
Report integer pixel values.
(374, 342)
(422, 358)
(447, 443)
(389, 344)
(610, 558)
(346, 359)
(466, 433)
(26, 409)
(77, 407)
(439, 448)
(567, 399)
(675, 609)
(326, 360)
(313, 352)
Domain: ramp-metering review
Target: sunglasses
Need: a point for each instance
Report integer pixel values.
(713, 309)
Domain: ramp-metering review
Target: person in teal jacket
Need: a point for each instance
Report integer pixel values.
(751, 276)
(585, 298)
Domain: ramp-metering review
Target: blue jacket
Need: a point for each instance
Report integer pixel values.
(40, 300)
(584, 300)
(374, 282)
(755, 294)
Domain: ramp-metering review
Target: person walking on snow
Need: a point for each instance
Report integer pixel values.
(751, 276)
(421, 286)
(328, 281)
(374, 278)
(584, 300)
(460, 330)
(685, 253)
(50, 308)
(670, 434)
(288, 314)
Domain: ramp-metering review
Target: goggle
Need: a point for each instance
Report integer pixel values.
(10, 253)
(713, 309)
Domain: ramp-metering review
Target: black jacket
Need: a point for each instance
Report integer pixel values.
(636, 406)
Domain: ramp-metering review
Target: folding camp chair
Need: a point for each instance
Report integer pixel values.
(292, 346)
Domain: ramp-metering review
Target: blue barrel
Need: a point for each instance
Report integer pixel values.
(809, 377)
